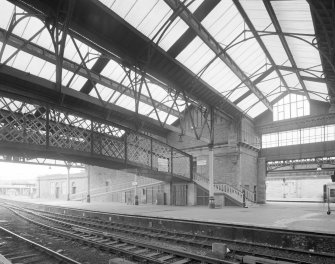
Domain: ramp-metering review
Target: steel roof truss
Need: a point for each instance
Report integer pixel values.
(282, 38)
(83, 63)
(49, 56)
(153, 104)
(210, 41)
(260, 42)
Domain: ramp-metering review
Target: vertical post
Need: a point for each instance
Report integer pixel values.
(135, 189)
(191, 167)
(211, 176)
(255, 194)
(125, 147)
(92, 137)
(47, 128)
(211, 203)
(243, 199)
(151, 157)
(88, 198)
(171, 160)
(68, 166)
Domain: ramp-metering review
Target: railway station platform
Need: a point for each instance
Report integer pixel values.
(310, 217)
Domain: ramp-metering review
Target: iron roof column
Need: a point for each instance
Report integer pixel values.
(211, 201)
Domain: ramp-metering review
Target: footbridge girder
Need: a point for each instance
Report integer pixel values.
(40, 129)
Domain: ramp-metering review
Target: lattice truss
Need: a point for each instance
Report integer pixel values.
(139, 149)
(32, 44)
(308, 163)
(22, 122)
(33, 124)
(108, 141)
(69, 131)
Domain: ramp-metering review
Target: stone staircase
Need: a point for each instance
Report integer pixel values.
(242, 197)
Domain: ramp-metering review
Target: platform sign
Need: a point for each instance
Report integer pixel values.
(134, 183)
(201, 162)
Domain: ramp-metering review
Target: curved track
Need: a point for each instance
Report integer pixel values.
(102, 230)
(125, 246)
(17, 249)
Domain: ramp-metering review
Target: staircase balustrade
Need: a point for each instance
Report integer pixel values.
(238, 195)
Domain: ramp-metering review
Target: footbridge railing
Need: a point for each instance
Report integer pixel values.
(47, 128)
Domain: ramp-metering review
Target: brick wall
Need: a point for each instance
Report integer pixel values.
(48, 185)
(248, 168)
(108, 177)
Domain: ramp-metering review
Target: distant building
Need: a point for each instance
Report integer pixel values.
(55, 186)
(106, 185)
(18, 189)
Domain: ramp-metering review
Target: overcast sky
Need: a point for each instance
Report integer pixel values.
(29, 172)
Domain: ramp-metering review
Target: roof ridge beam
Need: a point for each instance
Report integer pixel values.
(194, 24)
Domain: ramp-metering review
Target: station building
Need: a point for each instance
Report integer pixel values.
(170, 102)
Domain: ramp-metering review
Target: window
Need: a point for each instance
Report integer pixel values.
(312, 135)
(299, 136)
(329, 132)
(270, 140)
(291, 106)
(288, 138)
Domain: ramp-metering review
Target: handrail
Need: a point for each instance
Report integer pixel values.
(250, 195)
(233, 192)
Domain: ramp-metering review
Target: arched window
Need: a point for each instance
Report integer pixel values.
(291, 106)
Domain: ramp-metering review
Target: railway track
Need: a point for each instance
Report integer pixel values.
(100, 228)
(130, 248)
(17, 249)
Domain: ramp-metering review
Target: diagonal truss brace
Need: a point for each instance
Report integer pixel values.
(282, 38)
(260, 42)
(49, 56)
(210, 41)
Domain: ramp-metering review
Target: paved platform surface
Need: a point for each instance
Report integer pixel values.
(283, 215)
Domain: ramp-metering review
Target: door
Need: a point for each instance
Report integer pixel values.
(57, 192)
(179, 194)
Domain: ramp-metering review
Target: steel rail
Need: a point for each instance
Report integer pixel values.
(38, 247)
(187, 239)
(182, 238)
(103, 240)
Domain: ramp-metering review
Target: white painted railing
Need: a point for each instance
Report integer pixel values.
(238, 195)
(249, 195)
(230, 191)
